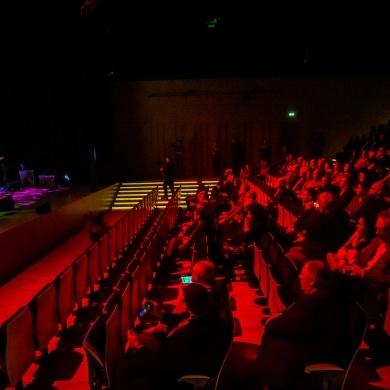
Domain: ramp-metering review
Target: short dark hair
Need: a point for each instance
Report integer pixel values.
(196, 298)
(320, 272)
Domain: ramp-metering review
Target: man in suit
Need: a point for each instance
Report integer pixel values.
(310, 331)
(196, 345)
(168, 172)
(372, 204)
(347, 192)
(319, 230)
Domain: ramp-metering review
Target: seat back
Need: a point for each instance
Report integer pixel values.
(94, 346)
(44, 309)
(203, 381)
(65, 295)
(334, 376)
(81, 282)
(114, 348)
(358, 323)
(95, 273)
(19, 345)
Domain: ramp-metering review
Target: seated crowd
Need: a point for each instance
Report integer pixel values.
(339, 243)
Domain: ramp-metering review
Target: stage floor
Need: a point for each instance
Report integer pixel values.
(27, 201)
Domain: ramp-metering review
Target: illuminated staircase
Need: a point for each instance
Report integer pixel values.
(130, 193)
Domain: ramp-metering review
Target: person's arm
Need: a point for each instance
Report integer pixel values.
(379, 274)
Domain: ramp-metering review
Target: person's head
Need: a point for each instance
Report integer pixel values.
(361, 189)
(309, 174)
(361, 225)
(326, 199)
(382, 227)
(345, 180)
(302, 171)
(199, 212)
(230, 177)
(317, 175)
(197, 299)
(203, 271)
(315, 274)
(381, 152)
(250, 198)
(308, 195)
(167, 159)
(325, 179)
(202, 195)
(376, 189)
(347, 167)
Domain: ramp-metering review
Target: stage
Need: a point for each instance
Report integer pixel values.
(41, 219)
(29, 203)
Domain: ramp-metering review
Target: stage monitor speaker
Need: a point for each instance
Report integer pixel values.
(7, 203)
(27, 179)
(11, 186)
(44, 208)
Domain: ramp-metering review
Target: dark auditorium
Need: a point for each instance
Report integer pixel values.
(194, 196)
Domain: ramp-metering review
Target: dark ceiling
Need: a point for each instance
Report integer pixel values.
(247, 38)
(200, 39)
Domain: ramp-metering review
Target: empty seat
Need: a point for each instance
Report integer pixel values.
(45, 319)
(19, 353)
(65, 295)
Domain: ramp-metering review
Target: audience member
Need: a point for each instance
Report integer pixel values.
(371, 265)
(357, 201)
(372, 204)
(346, 254)
(307, 197)
(319, 230)
(191, 200)
(203, 272)
(313, 179)
(310, 331)
(347, 192)
(246, 173)
(196, 345)
(236, 209)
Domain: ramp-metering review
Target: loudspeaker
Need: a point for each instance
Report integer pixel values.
(6, 203)
(11, 186)
(44, 208)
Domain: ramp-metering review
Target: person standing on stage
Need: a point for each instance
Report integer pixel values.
(168, 171)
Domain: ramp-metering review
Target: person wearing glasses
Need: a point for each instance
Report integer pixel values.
(368, 279)
(311, 330)
(372, 264)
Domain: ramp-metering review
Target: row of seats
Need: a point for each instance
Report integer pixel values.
(37, 303)
(105, 342)
(279, 284)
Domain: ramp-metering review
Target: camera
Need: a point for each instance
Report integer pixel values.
(144, 309)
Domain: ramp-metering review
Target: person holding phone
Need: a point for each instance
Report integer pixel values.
(197, 344)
